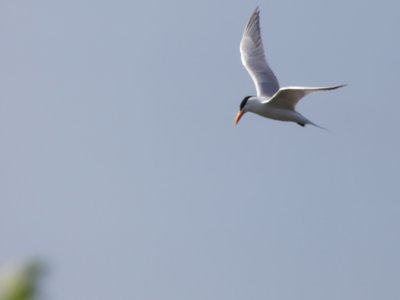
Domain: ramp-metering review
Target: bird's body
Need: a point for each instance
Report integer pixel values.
(270, 111)
(271, 101)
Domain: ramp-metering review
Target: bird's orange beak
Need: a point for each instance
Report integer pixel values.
(239, 116)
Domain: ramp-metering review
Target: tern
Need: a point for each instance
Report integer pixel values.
(271, 101)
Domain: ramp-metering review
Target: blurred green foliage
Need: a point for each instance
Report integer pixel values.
(21, 283)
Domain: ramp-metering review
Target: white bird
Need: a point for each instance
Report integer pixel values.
(271, 101)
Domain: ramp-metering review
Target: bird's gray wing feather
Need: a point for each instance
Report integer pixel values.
(287, 98)
(253, 58)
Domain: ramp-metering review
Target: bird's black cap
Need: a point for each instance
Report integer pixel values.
(244, 101)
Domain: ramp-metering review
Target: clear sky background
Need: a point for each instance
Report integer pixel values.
(121, 167)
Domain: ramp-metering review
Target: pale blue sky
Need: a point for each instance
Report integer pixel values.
(120, 165)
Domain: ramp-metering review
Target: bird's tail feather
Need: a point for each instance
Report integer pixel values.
(316, 125)
(307, 121)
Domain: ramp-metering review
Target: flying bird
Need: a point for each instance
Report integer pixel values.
(271, 101)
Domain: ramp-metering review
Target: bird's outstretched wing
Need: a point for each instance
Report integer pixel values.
(253, 58)
(287, 98)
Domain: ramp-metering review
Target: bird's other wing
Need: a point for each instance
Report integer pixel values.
(253, 58)
(288, 97)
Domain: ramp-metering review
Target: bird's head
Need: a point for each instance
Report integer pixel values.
(243, 108)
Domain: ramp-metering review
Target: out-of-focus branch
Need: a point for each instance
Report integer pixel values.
(20, 283)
